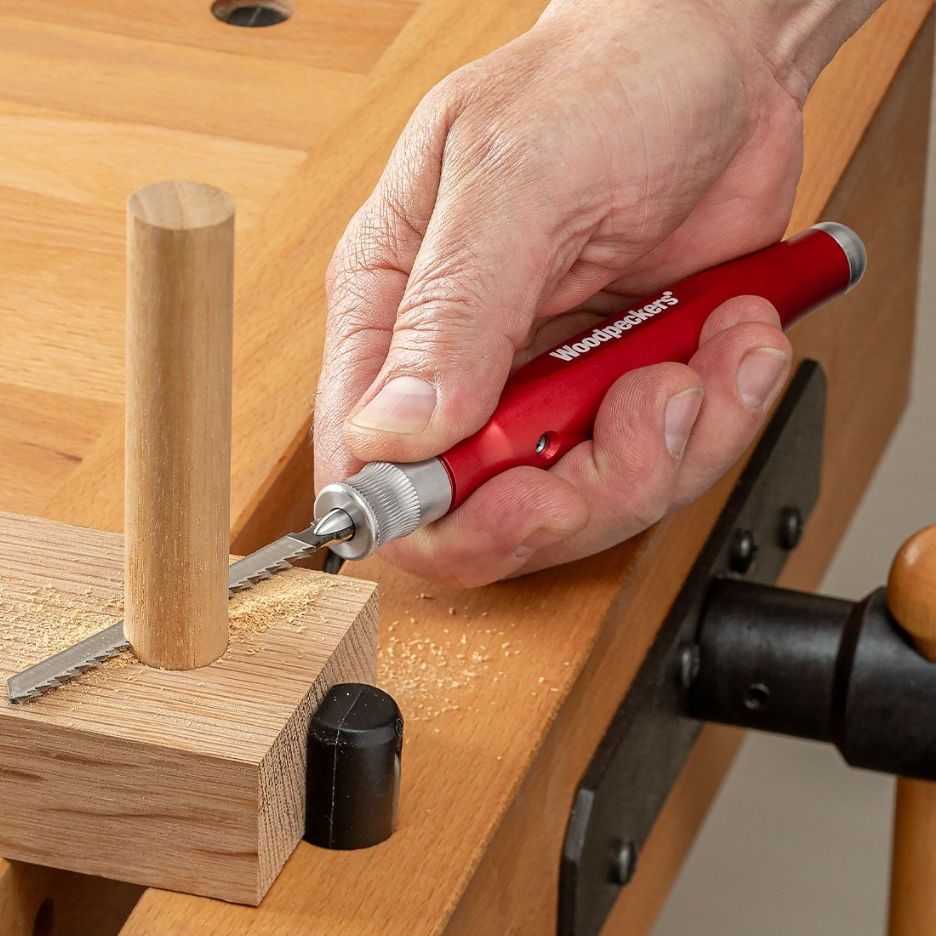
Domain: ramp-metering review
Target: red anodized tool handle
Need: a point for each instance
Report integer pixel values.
(549, 405)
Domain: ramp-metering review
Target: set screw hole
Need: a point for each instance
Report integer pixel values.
(252, 15)
(756, 697)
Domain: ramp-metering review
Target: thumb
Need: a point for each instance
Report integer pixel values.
(468, 307)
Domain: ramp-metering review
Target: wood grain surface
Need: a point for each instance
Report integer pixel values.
(518, 668)
(912, 910)
(189, 780)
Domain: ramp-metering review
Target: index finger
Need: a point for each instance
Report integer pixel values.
(366, 281)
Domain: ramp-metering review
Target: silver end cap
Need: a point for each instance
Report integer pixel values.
(852, 246)
(386, 501)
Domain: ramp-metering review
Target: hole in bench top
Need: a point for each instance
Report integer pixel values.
(258, 13)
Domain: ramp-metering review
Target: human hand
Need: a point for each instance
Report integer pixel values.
(604, 154)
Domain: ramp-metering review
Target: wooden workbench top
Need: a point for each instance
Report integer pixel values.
(505, 688)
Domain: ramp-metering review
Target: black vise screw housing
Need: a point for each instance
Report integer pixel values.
(816, 667)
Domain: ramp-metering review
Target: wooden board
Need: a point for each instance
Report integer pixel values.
(484, 763)
(189, 780)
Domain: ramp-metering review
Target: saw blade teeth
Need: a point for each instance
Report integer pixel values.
(261, 575)
(25, 696)
(71, 673)
(46, 686)
(74, 671)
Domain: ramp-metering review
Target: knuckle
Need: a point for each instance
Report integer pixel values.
(450, 311)
(465, 86)
(497, 155)
(485, 142)
(759, 334)
(378, 238)
(492, 134)
(633, 464)
(629, 504)
(444, 339)
(741, 310)
(648, 505)
(442, 297)
(350, 319)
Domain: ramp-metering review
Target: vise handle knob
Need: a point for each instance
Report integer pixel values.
(911, 599)
(911, 590)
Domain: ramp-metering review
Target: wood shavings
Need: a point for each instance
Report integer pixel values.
(42, 620)
(281, 600)
(428, 671)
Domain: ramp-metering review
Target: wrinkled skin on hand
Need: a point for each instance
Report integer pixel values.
(591, 161)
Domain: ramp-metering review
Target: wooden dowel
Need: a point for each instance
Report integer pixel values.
(180, 262)
(911, 597)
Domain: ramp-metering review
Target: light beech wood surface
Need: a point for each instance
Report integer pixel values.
(491, 757)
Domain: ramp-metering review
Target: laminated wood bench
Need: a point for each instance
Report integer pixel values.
(507, 690)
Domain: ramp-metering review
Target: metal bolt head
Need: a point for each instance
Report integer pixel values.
(625, 863)
(791, 527)
(743, 551)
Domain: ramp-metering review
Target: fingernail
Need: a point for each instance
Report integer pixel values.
(679, 418)
(759, 373)
(403, 405)
(537, 540)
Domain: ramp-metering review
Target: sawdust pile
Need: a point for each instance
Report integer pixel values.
(37, 621)
(281, 600)
(429, 673)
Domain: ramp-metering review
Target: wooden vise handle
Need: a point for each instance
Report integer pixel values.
(180, 263)
(911, 597)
